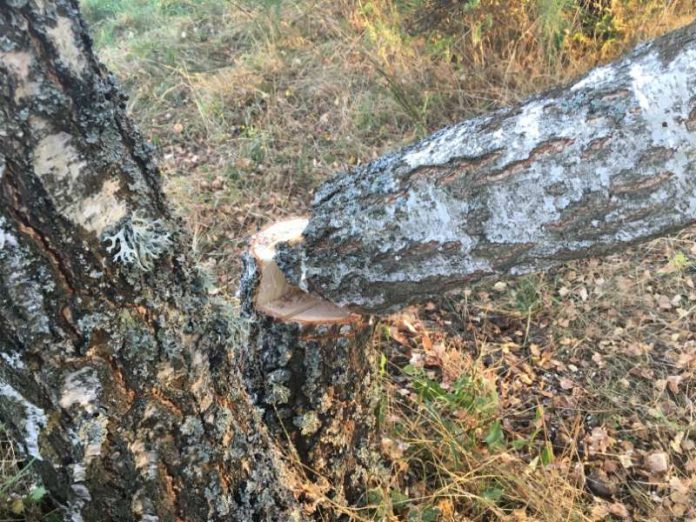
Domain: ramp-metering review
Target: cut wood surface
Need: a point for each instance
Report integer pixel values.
(277, 298)
(582, 171)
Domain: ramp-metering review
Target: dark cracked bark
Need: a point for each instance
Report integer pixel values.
(117, 374)
(313, 370)
(577, 172)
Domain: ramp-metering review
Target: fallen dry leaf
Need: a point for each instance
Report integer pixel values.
(675, 444)
(399, 338)
(619, 510)
(626, 460)
(599, 440)
(657, 462)
(673, 382)
(664, 302)
(566, 383)
(599, 512)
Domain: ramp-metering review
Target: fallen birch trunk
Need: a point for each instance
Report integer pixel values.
(584, 171)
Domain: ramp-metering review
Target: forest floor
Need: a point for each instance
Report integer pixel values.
(567, 395)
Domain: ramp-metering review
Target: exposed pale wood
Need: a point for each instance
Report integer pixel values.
(274, 296)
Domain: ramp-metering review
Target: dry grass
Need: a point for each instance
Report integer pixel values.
(593, 367)
(543, 398)
(21, 498)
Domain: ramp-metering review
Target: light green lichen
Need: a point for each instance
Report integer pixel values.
(139, 242)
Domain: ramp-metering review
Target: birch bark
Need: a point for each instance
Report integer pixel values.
(581, 171)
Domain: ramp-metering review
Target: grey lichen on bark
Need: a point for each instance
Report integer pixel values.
(581, 171)
(313, 371)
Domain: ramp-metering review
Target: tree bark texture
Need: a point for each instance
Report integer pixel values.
(315, 378)
(577, 172)
(117, 374)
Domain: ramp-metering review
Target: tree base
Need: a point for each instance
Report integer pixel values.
(310, 366)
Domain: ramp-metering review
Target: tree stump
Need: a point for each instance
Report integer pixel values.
(311, 367)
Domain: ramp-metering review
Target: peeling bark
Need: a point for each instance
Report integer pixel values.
(311, 367)
(117, 374)
(577, 172)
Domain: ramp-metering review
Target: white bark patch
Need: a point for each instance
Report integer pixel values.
(528, 125)
(56, 156)
(447, 144)
(165, 373)
(79, 473)
(436, 154)
(596, 79)
(7, 240)
(64, 39)
(201, 385)
(34, 421)
(100, 210)
(81, 390)
(23, 290)
(145, 460)
(27, 89)
(663, 94)
(81, 498)
(14, 360)
(19, 64)
(37, 123)
(519, 223)
(431, 216)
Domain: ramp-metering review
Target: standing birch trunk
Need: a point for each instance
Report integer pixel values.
(117, 374)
